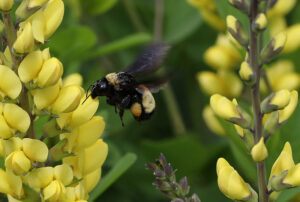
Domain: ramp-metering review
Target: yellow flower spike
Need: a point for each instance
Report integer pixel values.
(80, 115)
(25, 40)
(260, 22)
(6, 5)
(11, 145)
(53, 13)
(10, 84)
(18, 163)
(259, 152)
(230, 182)
(45, 97)
(91, 180)
(219, 58)
(5, 131)
(293, 41)
(212, 122)
(35, 150)
(285, 113)
(40, 177)
(223, 107)
(293, 176)
(30, 66)
(35, 3)
(284, 161)
(92, 129)
(211, 83)
(64, 173)
(38, 26)
(50, 73)
(53, 191)
(68, 99)
(88, 161)
(16, 117)
(73, 79)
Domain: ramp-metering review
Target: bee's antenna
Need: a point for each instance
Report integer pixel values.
(87, 96)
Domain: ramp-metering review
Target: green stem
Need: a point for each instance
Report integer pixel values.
(168, 94)
(257, 115)
(23, 98)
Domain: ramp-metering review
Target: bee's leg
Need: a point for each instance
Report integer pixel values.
(125, 102)
(121, 113)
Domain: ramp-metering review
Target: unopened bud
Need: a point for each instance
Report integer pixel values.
(236, 29)
(274, 47)
(259, 152)
(276, 101)
(246, 73)
(260, 22)
(6, 5)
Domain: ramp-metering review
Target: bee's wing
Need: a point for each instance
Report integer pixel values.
(150, 60)
(154, 85)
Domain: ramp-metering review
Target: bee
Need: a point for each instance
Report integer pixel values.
(124, 91)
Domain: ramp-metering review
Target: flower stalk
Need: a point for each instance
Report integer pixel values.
(257, 114)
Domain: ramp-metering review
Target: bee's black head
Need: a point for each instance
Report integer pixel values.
(100, 88)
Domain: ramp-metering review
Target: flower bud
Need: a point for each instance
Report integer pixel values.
(80, 115)
(40, 177)
(246, 73)
(276, 101)
(50, 73)
(242, 5)
(231, 183)
(260, 23)
(77, 140)
(35, 150)
(30, 66)
(53, 13)
(230, 111)
(6, 5)
(285, 113)
(293, 41)
(274, 47)
(25, 41)
(68, 99)
(212, 122)
(235, 28)
(10, 84)
(259, 152)
(17, 162)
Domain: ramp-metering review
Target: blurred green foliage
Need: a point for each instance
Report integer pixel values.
(98, 37)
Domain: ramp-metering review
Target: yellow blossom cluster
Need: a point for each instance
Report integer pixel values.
(68, 167)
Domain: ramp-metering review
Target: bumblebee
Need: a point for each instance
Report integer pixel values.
(123, 90)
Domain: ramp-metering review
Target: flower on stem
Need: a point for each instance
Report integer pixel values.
(230, 111)
(231, 184)
(274, 47)
(260, 22)
(246, 73)
(6, 5)
(10, 85)
(25, 40)
(235, 28)
(259, 152)
(212, 122)
(276, 101)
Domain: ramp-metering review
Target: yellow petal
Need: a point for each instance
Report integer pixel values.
(80, 115)
(53, 191)
(12, 145)
(285, 113)
(38, 26)
(211, 83)
(259, 151)
(281, 99)
(246, 71)
(6, 5)
(16, 117)
(293, 41)
(18, 163)
(73, 79)
(40, 177)
(35, 150)
(284, 161)
(293, 176)
(212, 122)
(30, 66)
(282, 7)
(5, 131)
(25, 40)
(231, 22)
(34, 3)
(16, 184)
(10, 84)
(64, 173)
(91, 180)
(223, 107)
(4, 183)
(68, 99)
(89, 161)
(219, 58)
(53, 13)
(50, 73)
(44, 97)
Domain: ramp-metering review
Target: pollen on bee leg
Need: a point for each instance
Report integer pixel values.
(136, 109)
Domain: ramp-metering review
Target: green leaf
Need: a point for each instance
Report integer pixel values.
(121, 44)
(72, 42)
(119, 169)
(287, 195)
(180, 20)
(96, 7)
(31, 195)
